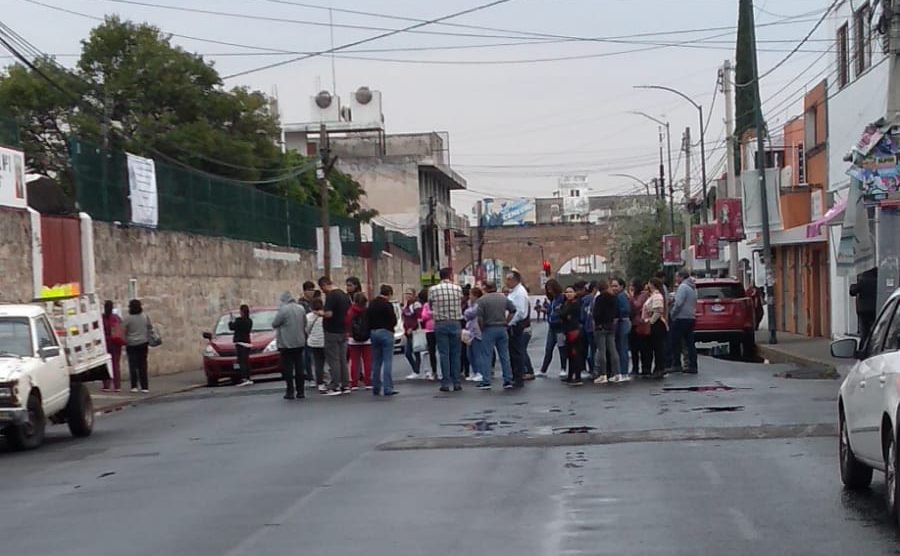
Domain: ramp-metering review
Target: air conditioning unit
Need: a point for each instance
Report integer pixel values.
(325, 108)
(365, 105)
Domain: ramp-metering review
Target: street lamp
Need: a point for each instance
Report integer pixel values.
(538, 245)
(635, 178)
(704, 215)
(671, 177)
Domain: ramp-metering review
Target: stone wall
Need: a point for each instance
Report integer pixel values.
(16, 285)
(187, 281)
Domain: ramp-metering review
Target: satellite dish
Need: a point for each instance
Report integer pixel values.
(323, 99)
(363, 95)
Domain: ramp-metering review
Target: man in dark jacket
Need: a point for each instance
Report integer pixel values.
(865, 290)
(605, 311)
(242, 327)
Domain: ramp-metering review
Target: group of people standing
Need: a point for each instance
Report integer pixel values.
(343, 329)
(135, 333)
(613, 331)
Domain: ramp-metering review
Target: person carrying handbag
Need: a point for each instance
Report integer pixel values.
(139, 335)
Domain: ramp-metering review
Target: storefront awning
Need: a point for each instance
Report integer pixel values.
(798, 235)
(831, 217)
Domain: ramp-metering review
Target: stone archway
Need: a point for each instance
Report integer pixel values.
(525, 247)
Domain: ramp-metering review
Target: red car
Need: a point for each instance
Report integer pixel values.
(220, 356)
(726, 312)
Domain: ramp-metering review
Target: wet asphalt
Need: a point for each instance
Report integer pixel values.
(734, 460)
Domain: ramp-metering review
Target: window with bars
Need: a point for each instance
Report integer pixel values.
(862, 38)
(843, 62)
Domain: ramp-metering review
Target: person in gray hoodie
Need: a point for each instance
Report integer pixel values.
(683, 320)
(290, 330)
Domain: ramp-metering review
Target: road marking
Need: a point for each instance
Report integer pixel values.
(744, 525)
(712, 474)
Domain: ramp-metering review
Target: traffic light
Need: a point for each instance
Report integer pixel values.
(546, 266)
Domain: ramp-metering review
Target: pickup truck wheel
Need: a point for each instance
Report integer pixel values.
(30, 434)
(212, 382)
(854, 474)
(80, 411)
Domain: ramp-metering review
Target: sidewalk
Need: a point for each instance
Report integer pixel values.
(801, 350)
(162, 385)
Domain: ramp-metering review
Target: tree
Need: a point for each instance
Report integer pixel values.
(637, 243)
(746, 85)
(133, 90)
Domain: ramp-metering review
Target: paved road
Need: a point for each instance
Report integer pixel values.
(242, 472)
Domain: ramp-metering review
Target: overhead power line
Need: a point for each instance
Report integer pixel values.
(370, 39)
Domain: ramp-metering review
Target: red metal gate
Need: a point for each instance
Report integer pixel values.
(61, 250)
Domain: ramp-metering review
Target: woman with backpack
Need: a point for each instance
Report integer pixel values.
(359, 343)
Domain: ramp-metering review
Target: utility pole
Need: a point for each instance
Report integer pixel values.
(322, 175)
(686, 147)
(661, 184)
(671, 181)
(763, 194)
(731, 181)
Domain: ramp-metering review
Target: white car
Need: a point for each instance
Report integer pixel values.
(868, 405)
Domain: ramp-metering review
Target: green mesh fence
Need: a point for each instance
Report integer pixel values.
(197, 203)
(404, 243)
(9, 131)
(379, 240)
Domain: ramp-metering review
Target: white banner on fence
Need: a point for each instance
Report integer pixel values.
(337, 253)
(142, 191)
(12, 178)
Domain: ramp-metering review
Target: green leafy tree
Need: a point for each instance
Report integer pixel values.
(134, 90)
(637, 244)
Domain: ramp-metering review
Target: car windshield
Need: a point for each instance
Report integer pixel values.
(720, 291)
(262, 322)
(15, 337)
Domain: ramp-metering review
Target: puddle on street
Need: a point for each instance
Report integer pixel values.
(719, 408)
(574, 430)
(717, 387)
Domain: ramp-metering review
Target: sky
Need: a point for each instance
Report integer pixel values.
(519, 115)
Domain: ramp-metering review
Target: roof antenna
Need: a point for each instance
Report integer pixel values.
(331, 30)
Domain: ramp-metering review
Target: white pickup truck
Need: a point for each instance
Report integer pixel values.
(48, 351)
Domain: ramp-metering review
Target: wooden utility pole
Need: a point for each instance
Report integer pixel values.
(322, 176)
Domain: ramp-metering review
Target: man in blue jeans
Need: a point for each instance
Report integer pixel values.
(445, 300)
(382, 321)
(494, 312)
(623, 326)
(683, 322)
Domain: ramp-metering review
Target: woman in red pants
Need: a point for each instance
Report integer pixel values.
(115, 339)
(359, 343)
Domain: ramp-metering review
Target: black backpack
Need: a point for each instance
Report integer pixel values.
(359, 327)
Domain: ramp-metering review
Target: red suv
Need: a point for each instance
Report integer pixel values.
(726, 313)
(220, 356)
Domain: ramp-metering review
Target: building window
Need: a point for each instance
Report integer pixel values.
(862, 38)
(843, 62)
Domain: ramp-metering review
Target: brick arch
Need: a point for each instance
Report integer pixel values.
(562, 242)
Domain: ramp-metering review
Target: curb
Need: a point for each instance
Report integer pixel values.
(119, 405)
(775, 355)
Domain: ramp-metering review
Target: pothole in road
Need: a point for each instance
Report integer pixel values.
(574, 430)
(717, 387)
(719, 408)
(809, 373)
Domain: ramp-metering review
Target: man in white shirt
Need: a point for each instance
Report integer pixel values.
(517, 325)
